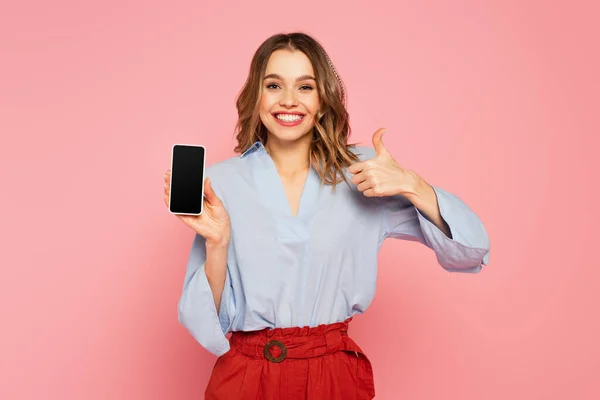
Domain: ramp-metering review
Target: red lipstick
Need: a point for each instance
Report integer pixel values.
(290, 123)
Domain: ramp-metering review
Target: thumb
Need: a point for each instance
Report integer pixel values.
(210, 194)
(378, 142)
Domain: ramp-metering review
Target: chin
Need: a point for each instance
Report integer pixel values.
(288, 136)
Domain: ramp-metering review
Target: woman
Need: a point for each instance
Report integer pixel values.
(285, 254)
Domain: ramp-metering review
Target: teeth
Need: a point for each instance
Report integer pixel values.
(289, 117)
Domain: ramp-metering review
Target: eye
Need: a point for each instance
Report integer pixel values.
(275, 86)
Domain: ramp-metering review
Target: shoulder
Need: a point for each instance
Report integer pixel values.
(363, 152)
(223, 175)
(224, 168)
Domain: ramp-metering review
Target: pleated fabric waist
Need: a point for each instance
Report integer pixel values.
(278, 344)
(320, 362)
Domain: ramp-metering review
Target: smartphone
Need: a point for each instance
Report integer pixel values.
(187, 179)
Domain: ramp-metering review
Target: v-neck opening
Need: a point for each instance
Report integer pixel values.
(303, 192)
(275, 196)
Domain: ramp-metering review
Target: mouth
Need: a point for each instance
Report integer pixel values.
(288, 119)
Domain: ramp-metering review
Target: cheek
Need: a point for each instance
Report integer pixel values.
(266, 102)
(314, 104)
(264, 110)
(263, 104)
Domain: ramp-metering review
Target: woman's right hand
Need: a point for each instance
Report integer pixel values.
(213, 224)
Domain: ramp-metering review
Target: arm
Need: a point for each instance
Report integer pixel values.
(425, 201)
(463, 248)
(203, 291)
(412, 209)
(216, 271)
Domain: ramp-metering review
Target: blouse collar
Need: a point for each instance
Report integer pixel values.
(255, 146)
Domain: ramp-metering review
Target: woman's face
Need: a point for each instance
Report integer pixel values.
(290, 99)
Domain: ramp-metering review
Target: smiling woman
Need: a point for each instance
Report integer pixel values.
(283, 260)
(302, 102)
(289, 100)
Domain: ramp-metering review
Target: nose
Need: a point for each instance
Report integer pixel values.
(288, 99)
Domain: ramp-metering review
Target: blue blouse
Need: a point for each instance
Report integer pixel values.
(317, 267)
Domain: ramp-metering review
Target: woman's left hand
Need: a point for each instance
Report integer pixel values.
(382, 175)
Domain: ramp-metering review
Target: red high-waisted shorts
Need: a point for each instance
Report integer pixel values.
(316, 363)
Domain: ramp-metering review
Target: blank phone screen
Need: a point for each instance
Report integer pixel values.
(187, 179)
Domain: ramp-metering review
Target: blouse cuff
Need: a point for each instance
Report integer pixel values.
(227, 306)
(198, 313)
(469, 246)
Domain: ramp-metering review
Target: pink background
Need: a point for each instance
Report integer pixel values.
(494, 101)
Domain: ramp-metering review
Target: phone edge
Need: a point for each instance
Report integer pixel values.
(203, 176)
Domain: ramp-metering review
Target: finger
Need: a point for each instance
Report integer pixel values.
(378, 142)
(366, 185)
(358, 178)
(357, 167)
(370, 193)
(210, 194)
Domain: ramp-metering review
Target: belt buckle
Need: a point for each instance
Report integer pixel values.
(279, 344)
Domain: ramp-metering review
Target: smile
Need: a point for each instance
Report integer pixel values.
(288, 119)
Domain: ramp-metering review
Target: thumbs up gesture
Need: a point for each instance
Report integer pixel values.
(382, 176)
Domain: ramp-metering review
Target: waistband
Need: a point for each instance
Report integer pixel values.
(277, 345)
(295, 342)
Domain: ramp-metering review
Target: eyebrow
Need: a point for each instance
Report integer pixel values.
(300, 78)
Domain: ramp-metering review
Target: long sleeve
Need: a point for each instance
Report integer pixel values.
(196, 308)
(465, 252)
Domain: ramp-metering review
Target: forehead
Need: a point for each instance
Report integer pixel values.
(289, 64)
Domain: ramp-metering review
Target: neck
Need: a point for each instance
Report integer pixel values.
(289, 157)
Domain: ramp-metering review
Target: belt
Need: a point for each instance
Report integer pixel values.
(280, 344)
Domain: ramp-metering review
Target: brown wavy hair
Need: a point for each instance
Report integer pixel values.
(329, 152)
